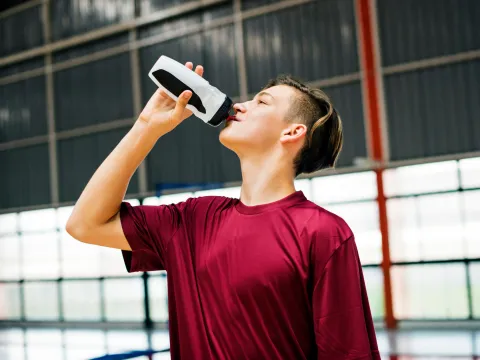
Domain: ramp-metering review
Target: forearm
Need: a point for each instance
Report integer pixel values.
(102, 197)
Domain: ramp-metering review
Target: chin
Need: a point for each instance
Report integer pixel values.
(232, 140)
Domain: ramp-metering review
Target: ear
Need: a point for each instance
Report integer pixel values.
(293, 133)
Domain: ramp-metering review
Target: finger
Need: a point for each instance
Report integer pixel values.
(199, 70)
(189, 65)
(163, 94)
(180, 106)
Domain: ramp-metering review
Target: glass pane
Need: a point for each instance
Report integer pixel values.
(475, 283)
(79, 259)
(174, 198)
(363, 220)
(38, 220)
(470, 170)
(345, 187)
(9, 223)
(84, 344)
(423, 178)
(81, 300)
(10, 307)
(122, 341)
(10, 258)
(305, 185)
(63, 214)
(429, 291)
(40, 256)
(440, 227)
(41, 300)
(12, 352)
(153, 200)
(124, 299)
(374, 283)
(471, 218)
(112, 264)
(435, 344)
(231, 192)
(44, 344)
(403, 229)
(133, 202)
(157, 290)
(11, 344)
(160, 339)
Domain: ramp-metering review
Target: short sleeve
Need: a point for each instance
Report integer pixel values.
(148, 230)
(342, 317)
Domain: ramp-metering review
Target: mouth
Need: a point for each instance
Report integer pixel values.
(233, 118)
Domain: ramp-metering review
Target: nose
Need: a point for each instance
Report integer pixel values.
(240, 107)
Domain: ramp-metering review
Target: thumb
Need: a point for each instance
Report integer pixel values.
(177, 113)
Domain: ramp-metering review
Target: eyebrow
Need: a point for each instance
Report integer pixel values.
(261, 93)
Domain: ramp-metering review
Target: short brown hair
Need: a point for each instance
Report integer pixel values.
(324, 138)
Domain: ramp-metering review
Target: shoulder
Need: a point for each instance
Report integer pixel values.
(204, 205)
(324, 230)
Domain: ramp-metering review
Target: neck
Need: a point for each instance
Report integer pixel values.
(265, 180)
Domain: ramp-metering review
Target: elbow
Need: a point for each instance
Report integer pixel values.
(76, 229)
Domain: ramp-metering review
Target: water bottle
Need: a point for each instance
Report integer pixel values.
(207, 102)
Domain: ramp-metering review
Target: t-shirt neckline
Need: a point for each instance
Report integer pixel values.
(287, 201)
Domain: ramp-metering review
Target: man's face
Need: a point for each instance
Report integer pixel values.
(259, 123)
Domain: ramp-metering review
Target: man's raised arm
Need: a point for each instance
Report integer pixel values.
(95, 218)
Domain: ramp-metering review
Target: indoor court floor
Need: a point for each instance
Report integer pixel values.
(53, 344)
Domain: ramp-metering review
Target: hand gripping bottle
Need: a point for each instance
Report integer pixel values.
(207, 102)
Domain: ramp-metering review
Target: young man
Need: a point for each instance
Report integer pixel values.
(268, 276)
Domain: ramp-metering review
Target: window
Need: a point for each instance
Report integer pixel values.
(84, 344)
(133, 202)
(374, 284)
(10, 257)
(403, 229)
(157, 290)
(124, 299)
(10, 301)
(363, 220)
(471, 218)
(81, 300)
(160, 339)
(11, 344)
(38, 220)
(79, 259)
(121, 341)
(112, 264)
(41, 300)
(475, 283)
(430, 291)
(167, 199)
(470, 173)
(232, 192)
(174, 198)
(432, 227)
(63, 213)
(40, 255)
(8, 224)
(305, 186)
(417, 179)
(342, 188)
(44, 344)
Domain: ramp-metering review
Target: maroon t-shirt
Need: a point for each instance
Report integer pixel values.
(276, 281)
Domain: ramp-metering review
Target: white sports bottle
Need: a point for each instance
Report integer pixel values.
(207, 102)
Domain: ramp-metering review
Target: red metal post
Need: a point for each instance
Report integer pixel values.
(374, 127)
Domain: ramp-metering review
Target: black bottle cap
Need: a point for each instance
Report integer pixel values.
(222, 113)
